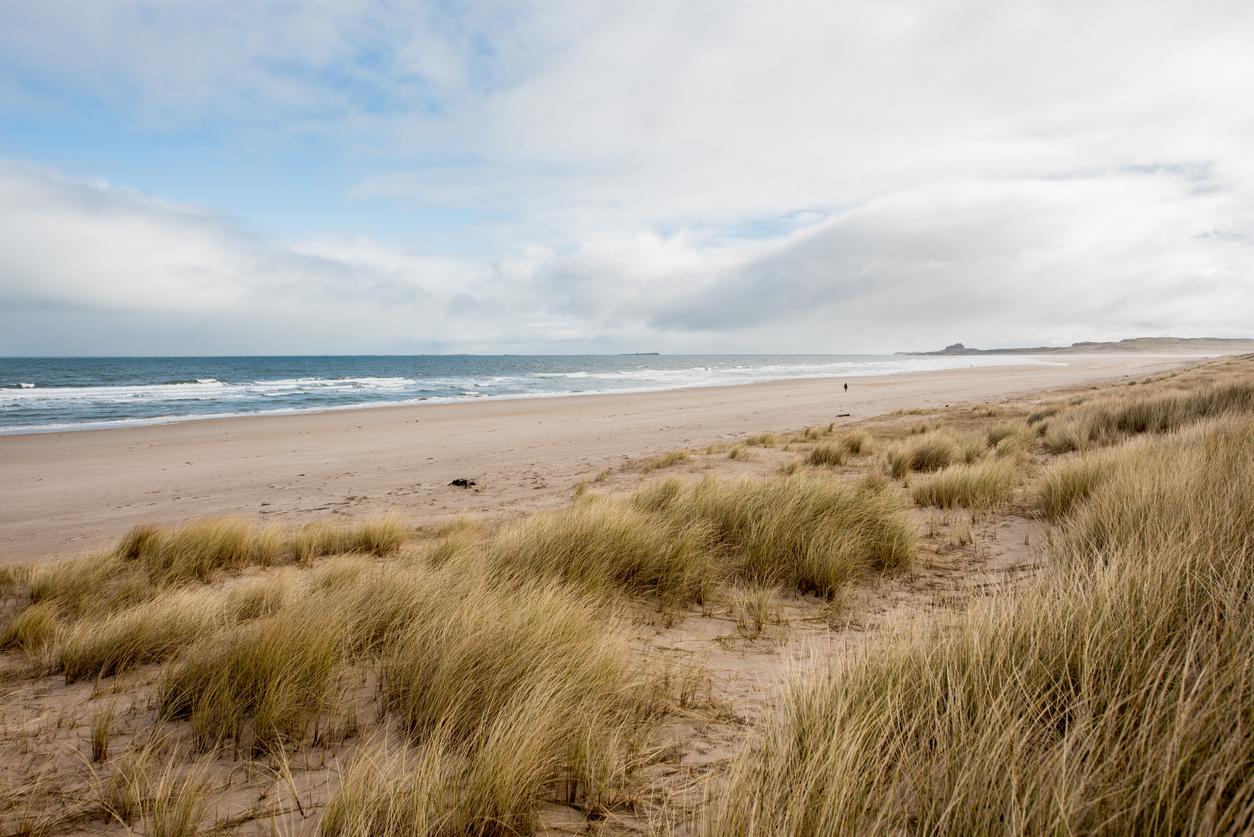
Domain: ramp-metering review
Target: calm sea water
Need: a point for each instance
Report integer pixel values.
(53, 394)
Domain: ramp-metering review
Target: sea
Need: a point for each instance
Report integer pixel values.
(43, 395)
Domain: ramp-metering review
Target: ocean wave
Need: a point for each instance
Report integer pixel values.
(47, 405)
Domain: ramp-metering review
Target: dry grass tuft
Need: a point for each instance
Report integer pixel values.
(31, 630)
(928, 453)
(803, 530)
(837, 453)
(832, 455)
(1163, 405)
(1070, 481)
(983, 485)
(147, 633)
(101, 729)
(266, 680)
(664, 460)
(607, 547)
(1109, 695)
(857, 442)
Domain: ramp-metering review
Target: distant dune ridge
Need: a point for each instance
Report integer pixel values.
(1167, 345)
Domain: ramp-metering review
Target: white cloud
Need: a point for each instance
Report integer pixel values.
(787, 176)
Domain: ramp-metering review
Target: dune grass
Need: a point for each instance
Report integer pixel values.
(553, 700)
(802, 530)
(982, 485)
(264, 681)
(827, 455)
(608, 546)
(836, 453)
(1109, 696)
(929, 452)
(664, 460)
(147, 633)
(1159, 406)
(678, 542)
(31, 630)
(1070, 481)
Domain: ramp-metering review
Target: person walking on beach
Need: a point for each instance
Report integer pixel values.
(846, 387)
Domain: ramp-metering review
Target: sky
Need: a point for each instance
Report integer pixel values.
(227, 177)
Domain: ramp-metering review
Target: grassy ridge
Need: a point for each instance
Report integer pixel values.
(1109, 696)
(679, 541)
(500, 660)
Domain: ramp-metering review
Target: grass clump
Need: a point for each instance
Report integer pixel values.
(857, 442)
(678, 541)
(1109, 695)
(931, 452)
(86, 585)
(199, 549)
(101, 729)
(982, 485)
(664, 460)
(269, 678)
(510, 696)
(147, 633)
(803, 529)
(827, 455)
(837, 453)
(31, 630)
(1069, 482)
(766, 440)
(1163, 405)
(609, 546)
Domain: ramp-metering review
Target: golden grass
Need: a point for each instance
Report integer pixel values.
(609, 546)
(837, 453)
(930, 452)
(1109, 696)
(1161, 405)
(31, 630)
(982, 485)
(1070, 481)
(201, 548)
(263, 682)
(827, 455)
(553, 703)
(664, 460)
(147, 633)
(101, 729)
(802, 530)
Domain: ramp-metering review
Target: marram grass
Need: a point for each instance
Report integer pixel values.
(1109, 696)
(982, 485)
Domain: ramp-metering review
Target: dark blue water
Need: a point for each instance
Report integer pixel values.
(48, 394)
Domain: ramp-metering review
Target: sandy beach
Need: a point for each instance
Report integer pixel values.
(62, 493)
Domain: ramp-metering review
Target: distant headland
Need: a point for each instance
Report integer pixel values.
(1138, 345)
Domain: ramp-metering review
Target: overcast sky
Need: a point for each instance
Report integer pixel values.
(347, 176)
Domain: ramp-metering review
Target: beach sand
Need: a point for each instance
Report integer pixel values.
(63, 493)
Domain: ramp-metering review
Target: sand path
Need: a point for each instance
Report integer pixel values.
(67, 492)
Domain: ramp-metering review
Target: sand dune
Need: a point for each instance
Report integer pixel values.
(65, 492)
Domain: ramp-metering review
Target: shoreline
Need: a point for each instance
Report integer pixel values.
(68, 491)
(729, 377)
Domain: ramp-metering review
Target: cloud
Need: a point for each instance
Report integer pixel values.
(1043, 261)
(646, 176)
